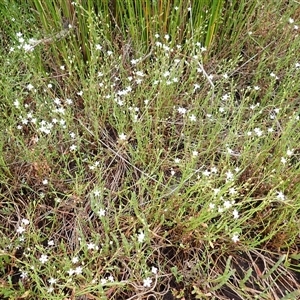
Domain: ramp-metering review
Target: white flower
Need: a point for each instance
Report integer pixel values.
(91, 246)
(195, 153)
(29, 87)
(227, 204)
(235, 214)
(71, 272)
(225, 97)
(193, 118)
(141, 237)
(181, 110)
(51, 243)
(291, 20)
(206, 173)
(154, 270)
(101, 212)
(52, 280)
(283, 160)
(280, 196)
(75, 260)
(229, 175)
(258, 131)
(122, 137)
(235, 238)
(43, 259)
(45, 181)
(78, 270)
(147, 282)
(73, 147)
(25, 221)
(214, 170)
(20, 229)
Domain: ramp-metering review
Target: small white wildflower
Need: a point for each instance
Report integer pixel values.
(235, 214)
(283, 160)
(62, 68)
(141, 237)
(216, 191)
(71, 272)
(24, 275)
(147, 282)
(97, 193)
(103, 281)
(289, 152)
(221, 109)
(20, 229)
(140, 73)
(256, 88)
(193, 118)
(101, 212)
(229, 175)
(122, 137)
(232, 191)
(181, 110)
(98, 47)
(45, 181)
(258, 131)
(291, 20)
(211, 206)
(214, 170)
(91, 246)
(75, 259)
(225, 97)
(227, 204)
(177, 160)
(51, 243)
(280, 196)
(111, 278)
(167, 37)
(73, 147)
(206, 173)
(43, 259)
(78, 270)
(52, 280)
(154, 270)
(235, 238)
(25, 221)
(29, 87)
(195, 153)
(69, 101)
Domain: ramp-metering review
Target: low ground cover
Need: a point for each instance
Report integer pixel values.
(158, 163)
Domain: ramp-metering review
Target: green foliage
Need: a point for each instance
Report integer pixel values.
(149, 147)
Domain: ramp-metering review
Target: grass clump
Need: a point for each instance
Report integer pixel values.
(149, 151)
